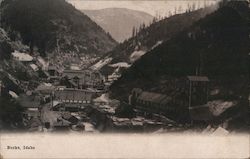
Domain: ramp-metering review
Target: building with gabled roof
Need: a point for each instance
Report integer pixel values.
(187, 94)
(152, 102)
(74, 96)
(73, 99)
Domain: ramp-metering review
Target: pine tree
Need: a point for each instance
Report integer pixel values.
(133, 32)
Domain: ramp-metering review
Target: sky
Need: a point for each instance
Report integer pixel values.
(153, 7)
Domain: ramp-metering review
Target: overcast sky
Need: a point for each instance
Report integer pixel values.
(152, 7)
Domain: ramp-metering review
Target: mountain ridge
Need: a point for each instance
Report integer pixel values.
(119, 22)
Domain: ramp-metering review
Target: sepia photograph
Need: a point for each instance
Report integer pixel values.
(124, 79)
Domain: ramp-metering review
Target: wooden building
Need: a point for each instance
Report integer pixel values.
(72, 99)
(69, 95)
(154, 102)
(151, 102)
(184, 100)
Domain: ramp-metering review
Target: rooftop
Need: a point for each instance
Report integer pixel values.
(74, 94)
(22, 56)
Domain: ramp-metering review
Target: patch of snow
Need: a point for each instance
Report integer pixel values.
(13, 79)
(13, 94)
(218, 107)
(157, 44)
(55, 103)
(120, 64)
(74, 67)
(48, 84)
(89, 127)
(43, 63)
(101, 63)
(33, 109)
(28, 93)
(220, 131)
(4, 35)
(161, 130)
(209, 129)
(34, 67)
(136, 55)
(103, 98)
(113, 77)
(215, 92)
(22, 56)
(76, 115)
(121, 119)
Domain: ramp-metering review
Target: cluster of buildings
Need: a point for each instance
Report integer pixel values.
(34, 63)
(74, 90)
(78, 79)
(189, 102)
(58, 88)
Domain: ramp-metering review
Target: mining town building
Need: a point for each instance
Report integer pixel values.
(185, 100)
(74, 96)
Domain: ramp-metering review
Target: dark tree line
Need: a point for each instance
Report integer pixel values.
(10, 111)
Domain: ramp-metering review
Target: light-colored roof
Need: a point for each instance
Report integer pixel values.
(211, 110)
(22, 56)
(75, 67)
(198, 78)
(45, 88)
(13, 94)
(34, 67)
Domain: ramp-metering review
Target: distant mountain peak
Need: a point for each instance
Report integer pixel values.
(119, 22)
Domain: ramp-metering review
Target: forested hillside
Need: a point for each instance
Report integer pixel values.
(147, 38)
(53, 25)
(216, 46)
